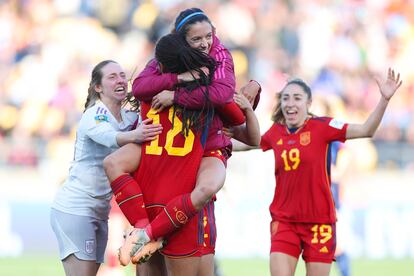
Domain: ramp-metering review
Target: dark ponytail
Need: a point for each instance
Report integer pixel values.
(176, 56)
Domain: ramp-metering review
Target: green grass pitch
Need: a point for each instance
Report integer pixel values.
(50, 265)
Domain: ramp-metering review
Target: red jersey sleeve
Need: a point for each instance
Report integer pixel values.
(221, 89)
(335, 130)
(231, 114)
(151, 81)
(265, 142)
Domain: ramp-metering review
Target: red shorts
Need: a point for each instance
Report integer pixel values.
(196, 238)
(316, 242)
(223, 154)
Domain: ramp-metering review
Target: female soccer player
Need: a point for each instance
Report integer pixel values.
(302, 210)
(79, 215)
(169, 165)
(195, 27)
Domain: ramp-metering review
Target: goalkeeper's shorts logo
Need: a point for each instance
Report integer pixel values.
(89, 246)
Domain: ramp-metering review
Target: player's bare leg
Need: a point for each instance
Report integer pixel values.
(282, 264)
(74, 266)
(210, 179)
(206, 267)
(122, 161)
(183, 267)
(154, 267)
(318, 269)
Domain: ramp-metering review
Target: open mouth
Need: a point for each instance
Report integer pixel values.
(120, 90)
(291, 114)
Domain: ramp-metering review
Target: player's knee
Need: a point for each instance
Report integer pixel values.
(109, 164)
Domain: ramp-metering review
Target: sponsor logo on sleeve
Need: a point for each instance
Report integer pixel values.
(336, 124)
(101, 118)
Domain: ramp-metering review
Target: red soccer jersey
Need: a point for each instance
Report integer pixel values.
(169, 164)
(302, 192)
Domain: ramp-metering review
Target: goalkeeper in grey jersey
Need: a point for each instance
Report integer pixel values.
(79, 215)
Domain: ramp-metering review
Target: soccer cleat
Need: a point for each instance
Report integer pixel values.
(124, 252)
(143, 254)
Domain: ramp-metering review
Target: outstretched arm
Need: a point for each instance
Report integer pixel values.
(387, 89)
(146, 131)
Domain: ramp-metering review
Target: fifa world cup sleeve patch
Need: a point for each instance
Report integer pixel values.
(101, 118)
(336, 124)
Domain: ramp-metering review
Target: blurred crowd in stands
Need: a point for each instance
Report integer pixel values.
(48, 48)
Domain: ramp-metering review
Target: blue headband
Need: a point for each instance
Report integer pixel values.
(185, 19)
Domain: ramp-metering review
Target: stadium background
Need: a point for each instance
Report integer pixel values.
(48, 48)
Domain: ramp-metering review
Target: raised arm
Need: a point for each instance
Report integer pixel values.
(387, 89)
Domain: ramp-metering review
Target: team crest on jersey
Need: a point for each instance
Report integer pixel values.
(89, 246)
(101, 118)
(181, 217)
(305, 138)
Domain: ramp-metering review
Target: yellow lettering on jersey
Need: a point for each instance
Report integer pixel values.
(188, 142)
(155, 149)
(291, 159)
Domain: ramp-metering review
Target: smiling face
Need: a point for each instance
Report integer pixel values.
(295, 104)
(200, 36)
(113, 87)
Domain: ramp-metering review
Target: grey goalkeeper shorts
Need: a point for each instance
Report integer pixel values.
(85, 237)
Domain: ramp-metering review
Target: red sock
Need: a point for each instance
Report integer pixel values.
(128, 195)
(177, 212)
